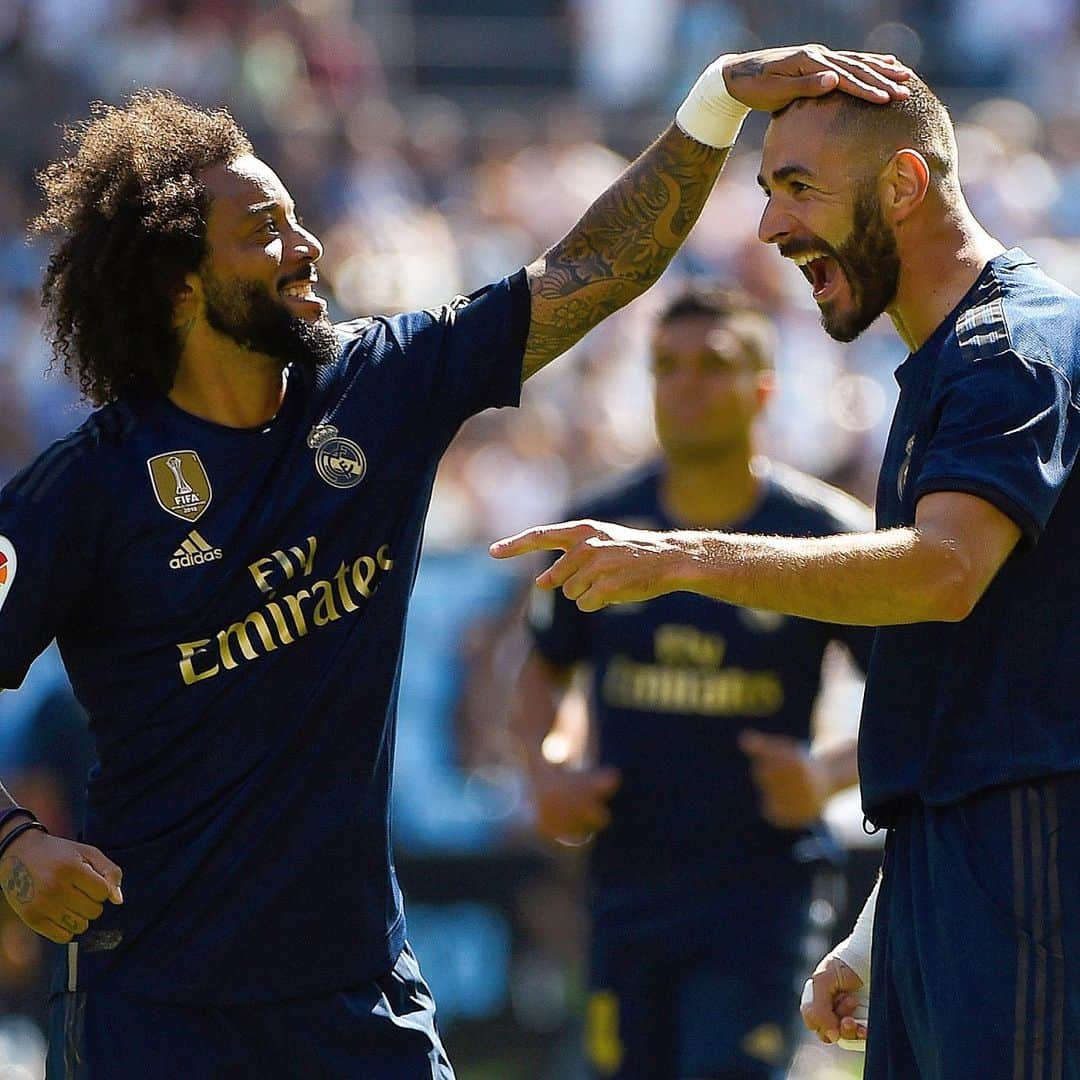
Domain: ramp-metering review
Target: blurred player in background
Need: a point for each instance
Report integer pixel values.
(704, 786)
(225, 552)
(969, 749)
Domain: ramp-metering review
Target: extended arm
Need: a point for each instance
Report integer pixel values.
(622, 244)
(628, 236)
(935, 570)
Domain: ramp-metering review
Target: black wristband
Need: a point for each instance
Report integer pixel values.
(12, 811)
(18, 831)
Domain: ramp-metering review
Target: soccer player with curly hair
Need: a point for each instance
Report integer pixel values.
(225, 551)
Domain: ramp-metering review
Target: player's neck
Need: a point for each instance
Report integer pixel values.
(713, 493)
(938, 264)
(220, 381)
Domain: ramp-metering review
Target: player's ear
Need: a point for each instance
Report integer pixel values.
(185, 298)
(905, 182)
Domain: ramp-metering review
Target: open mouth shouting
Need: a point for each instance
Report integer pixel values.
(822, 271)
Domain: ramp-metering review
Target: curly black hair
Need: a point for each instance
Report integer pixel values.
(128, 213)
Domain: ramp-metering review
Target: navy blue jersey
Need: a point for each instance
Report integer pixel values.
(988, 406)
(230, 607)
(674, 682)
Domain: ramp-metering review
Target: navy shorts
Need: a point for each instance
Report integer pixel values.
(722, 1007)
(384, 1030)
(976, 950)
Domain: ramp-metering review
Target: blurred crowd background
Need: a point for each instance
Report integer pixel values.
(435, 145)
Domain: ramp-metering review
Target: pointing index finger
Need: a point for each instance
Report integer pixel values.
(560, 537)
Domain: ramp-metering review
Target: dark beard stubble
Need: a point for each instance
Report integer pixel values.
(871, 264)
(246, 313)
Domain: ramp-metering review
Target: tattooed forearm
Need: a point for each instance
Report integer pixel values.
(621, 245)
(16, 881)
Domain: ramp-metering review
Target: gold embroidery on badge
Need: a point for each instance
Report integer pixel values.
(339, 461)
(180, 484)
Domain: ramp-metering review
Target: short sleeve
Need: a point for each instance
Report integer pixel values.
(467, 355)
(42, 574)
(1007, 432)
(557, 626)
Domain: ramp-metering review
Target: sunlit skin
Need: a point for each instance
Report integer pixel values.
(812, 176)
(819, 202)
(933, 571)
(236, 331)
(708, 392)
(914, 242)
(255, 242)
(707, 395)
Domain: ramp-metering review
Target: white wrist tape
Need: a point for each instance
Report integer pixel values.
(854, 950)
(710, 114)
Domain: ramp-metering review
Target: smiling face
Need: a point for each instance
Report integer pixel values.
(258, 277)
(824, 212)
(708, 388)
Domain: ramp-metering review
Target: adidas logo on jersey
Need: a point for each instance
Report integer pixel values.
(194, 551)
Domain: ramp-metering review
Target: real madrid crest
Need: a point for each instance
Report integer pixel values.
(339, 461)
(180, 483)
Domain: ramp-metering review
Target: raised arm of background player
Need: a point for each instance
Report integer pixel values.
(70, 883)
(793, 783)
(628, 236)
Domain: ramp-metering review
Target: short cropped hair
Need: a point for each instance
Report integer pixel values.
(127, 213)
(739, 313)
(918, 122)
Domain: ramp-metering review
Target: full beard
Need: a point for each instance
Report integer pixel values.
(246, 313)
(870, 262)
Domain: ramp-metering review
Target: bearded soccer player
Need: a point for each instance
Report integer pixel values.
(969, 749)
(225, 553)
(704, 797)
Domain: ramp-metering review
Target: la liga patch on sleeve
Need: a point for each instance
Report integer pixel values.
(8, 563)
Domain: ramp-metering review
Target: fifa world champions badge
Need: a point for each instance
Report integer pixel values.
(180, 483)
(339, 461)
